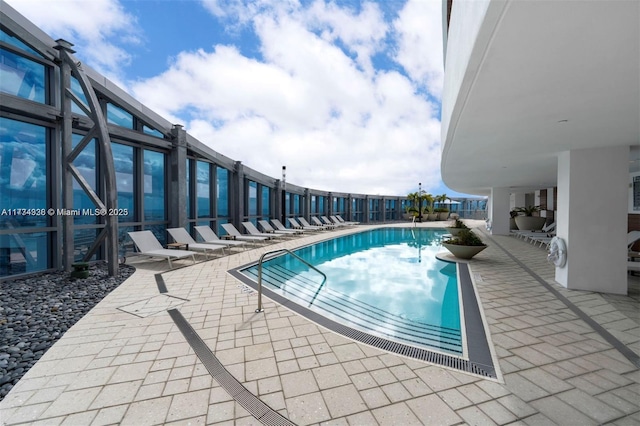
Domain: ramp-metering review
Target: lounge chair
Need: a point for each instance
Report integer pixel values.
(148, 245)
(328, 221)
(252, 230)
(305, 226)
(181, 236)
(632, 237)
(280, 227)
(347, 222)
(208, 236)
(266, 227)
(318, 222)
(526, 234)
(233, 232)
(633, 266)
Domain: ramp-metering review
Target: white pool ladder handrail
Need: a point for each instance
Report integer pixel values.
(260, 308)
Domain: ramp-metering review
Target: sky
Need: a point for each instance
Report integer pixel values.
(345, 94)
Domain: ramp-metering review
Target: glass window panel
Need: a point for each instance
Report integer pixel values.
(253, 198)
(82, 241)
(22, 77)
(296, 204)
(85, 162)
(154, 205)
(15, 42)
(266, 208)
(152, 132)
(77, 90)
(203, 189)
(160, 231)
(222, 183)
(188, 168)
(287, 203)
(125, 180)
(23, 173)
(23, 252)
(313, 204)
(125, 243)
(119, 117)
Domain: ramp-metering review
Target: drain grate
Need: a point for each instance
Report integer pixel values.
(258, 409)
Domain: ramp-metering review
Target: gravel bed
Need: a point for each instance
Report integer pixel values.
(36, 311)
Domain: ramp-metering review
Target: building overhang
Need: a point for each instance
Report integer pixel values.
(542, 78)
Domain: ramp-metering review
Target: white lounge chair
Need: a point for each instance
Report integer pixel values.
(252, 230)
(317, 222)
(266, 227)
(526, 234)
(233, 232)
(307, 227)
(148, 245)
(280, 227)
(632, 237)
(633, 266)
(330, 222)
(180, 235)
(348, 222)
(208, 236)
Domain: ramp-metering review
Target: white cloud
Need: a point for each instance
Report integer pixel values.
(334, 121)
(419, 32)
(98, 28)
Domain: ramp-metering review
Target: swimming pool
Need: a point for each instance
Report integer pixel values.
(384, 281)
(384, 287)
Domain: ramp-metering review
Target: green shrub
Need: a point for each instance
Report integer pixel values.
(465, 238)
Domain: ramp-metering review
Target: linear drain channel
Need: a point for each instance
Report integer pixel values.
(258, 409)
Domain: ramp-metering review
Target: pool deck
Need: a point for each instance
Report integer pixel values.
(128, 362)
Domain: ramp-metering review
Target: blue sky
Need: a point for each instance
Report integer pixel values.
(346, 94)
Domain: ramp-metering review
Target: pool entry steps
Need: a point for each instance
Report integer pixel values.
(303, 294)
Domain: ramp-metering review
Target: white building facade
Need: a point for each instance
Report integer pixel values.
(541, 106)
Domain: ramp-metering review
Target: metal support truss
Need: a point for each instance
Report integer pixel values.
(109, 203)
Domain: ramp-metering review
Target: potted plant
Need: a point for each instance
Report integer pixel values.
(465, 245)
(431, 214)
(443, 213)
(512, 221)
(527, 221)
(458, 226)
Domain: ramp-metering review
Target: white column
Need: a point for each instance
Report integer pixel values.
(517, 200)
(592, 218)
(499, 211)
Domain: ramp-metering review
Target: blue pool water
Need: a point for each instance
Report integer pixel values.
(385, 281)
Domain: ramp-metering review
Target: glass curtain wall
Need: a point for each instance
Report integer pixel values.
(25, 225)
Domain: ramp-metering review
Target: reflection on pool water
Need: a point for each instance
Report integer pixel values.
(385, 281)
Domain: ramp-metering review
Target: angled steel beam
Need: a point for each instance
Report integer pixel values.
(70, 66)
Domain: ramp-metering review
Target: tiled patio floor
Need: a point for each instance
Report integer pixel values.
(127, 362)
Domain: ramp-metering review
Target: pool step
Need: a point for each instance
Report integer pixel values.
(341, 307)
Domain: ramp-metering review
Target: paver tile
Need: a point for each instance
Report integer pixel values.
(343, 401)
(299, 383)
(307, 409)
(396, 414)
(152, 411)
(430, 409)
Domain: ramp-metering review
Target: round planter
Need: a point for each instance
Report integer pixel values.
(463, 252)
(432, 216)
(530, 223)
(443, 215)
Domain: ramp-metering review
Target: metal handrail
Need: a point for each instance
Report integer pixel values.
(260, 309)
